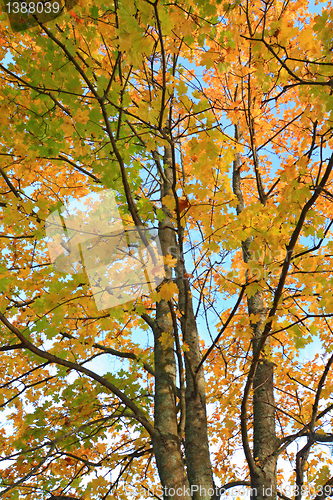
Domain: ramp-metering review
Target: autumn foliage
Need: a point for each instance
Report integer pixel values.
(212, 123)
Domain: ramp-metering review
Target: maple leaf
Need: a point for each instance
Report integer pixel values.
(183, 204)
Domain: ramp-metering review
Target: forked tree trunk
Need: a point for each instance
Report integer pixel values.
(167, 442)
(263, 472)
(193, 477)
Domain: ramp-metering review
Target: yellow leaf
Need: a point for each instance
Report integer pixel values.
(166, 339)
(168, 290)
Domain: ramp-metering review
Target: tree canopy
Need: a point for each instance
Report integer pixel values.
(211, 123)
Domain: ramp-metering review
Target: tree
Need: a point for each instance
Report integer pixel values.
(213, 124)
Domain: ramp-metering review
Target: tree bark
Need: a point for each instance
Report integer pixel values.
(198, 462)
(263, 477)
(263, 470)
(197, 483)
(166, 443)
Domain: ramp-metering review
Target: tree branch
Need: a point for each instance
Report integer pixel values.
(139, 415)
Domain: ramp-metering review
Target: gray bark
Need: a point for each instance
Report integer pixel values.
(167, 445)
(263, 468)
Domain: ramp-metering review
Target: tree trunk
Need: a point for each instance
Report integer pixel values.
(198, 463)
(263, 472)
(197, 483)
(167, 443)
(263, 478)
